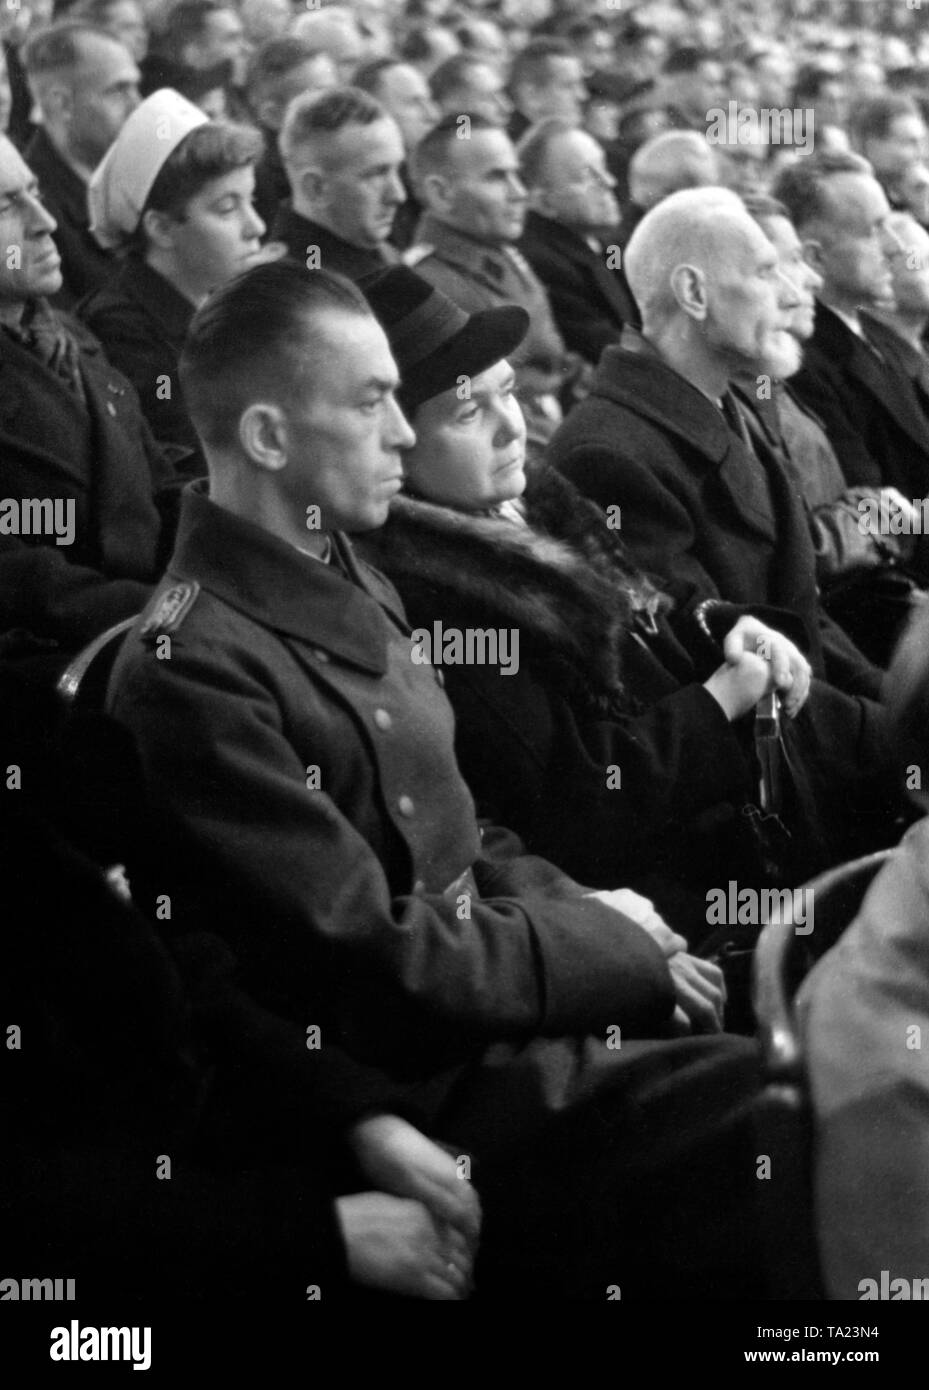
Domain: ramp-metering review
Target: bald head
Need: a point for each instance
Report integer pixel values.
(334, 31)
(673, 160)
(699, 228)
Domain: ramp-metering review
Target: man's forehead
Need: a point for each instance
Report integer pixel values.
(356, 339)
(850, 195)
(486, 149)
(369, 143)
(782, 233)
(102, 54)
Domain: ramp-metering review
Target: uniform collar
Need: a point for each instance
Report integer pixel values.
(340, 608)
(479, 257)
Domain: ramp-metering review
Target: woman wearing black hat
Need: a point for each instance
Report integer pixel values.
(614, 745)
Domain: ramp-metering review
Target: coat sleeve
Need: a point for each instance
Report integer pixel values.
(311, 905)
(820, 395)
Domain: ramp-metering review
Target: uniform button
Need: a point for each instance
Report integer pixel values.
(320, 654)
(111, 408)
(419, 886)
(382, 719)
(405, 806)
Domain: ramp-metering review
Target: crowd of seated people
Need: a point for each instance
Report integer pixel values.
(498, 438)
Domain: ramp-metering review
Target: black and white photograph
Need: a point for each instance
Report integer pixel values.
(464, 682)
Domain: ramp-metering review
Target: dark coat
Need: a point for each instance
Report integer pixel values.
(301, 236)
(101, 459)
(141, 320)
(307, 764)
(698, 509)
(536, 745)
(279, 665)
(85, 266)
(873, 419)
(591, 303)
(271, 183)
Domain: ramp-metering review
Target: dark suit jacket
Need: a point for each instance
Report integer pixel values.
(698, 509)
(141, 320)
(85, 266)
(299, 233)
(103, 461)
(868, 406)
(590, 302)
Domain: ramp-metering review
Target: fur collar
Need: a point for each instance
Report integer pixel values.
(570, 597)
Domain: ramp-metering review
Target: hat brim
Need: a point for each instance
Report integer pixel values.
(489, 336)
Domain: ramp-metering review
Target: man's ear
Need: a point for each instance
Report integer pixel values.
(688, 285)
(813, 254)
(263, 435)
(58, 103)
(437, 193)
(269, 114)
(159, 228)
(314, 186)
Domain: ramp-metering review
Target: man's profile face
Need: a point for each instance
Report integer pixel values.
(363, 184)
(345, 430)
(222, 41)
(806, 280)
(578, 184)
(854, 240)
(488, 197)
(909, 266)
(903, 145)
(27, 227)
(748, 299)
(104, 93)
(564, 91)
(405, 94)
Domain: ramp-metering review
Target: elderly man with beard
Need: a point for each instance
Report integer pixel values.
(857, 565)
(704, 502)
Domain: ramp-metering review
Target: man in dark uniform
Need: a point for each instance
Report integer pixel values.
(299, 755)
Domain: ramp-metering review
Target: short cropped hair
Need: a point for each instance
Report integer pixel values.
(206, 153)
(431, 154)
(452, 75)
(59, 48)
(532, 149)
(531, 64)
(92, 11)
(319, 114)
(801, 186)
(874, 118)
(274, 59)
(367, 78)
(248, 343)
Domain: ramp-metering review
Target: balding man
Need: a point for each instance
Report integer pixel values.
(343, 155)
(572, 234)
(85, 83)
(334, 30)
(667, 163)
(856, 386)
(704, 505)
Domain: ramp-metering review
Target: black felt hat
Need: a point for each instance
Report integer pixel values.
(434, 342)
